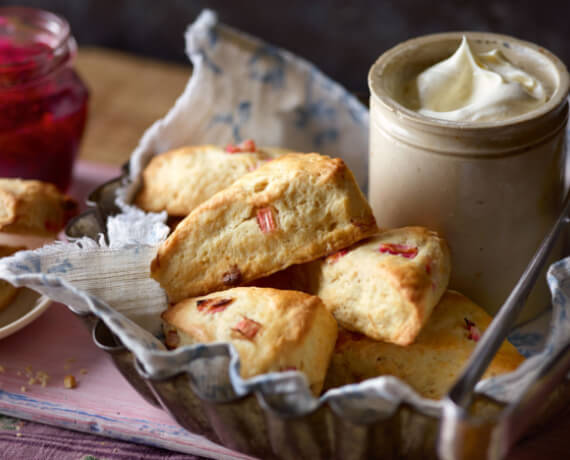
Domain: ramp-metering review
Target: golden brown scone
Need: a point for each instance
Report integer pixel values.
(272, 330)
(179, 180)
(291, 210)
(31, 207)
(432, 363)
(7, 291)
(384, 287)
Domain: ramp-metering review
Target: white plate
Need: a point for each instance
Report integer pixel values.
(25, 308)
(27, 305)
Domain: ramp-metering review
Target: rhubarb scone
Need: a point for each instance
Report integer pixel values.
(384, 287)
(292, 210)
(433, 362)
(31, 207)
(7, 291)
(180, 180)
(272, 330)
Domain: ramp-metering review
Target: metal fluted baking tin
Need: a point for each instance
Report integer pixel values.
(359, 424)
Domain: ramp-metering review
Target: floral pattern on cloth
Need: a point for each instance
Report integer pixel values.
(241, 88)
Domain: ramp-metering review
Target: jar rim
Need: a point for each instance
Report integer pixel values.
(378, 92)
(33, 26)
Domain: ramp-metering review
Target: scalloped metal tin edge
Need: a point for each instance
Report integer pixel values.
(350, 429)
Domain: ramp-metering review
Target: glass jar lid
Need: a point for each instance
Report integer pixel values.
(33, 43)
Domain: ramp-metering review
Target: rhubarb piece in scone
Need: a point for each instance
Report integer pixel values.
(433, 362)
(31, 207)
(7, 291)
(272, 330)
(292, 210)
(385, 287)
(179, 180)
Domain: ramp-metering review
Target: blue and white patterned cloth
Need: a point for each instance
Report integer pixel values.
(244, 88)
(241, 88)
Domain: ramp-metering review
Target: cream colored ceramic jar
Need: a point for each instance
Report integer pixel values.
(492, 188)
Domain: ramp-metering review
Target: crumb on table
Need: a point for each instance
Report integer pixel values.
(69, 381)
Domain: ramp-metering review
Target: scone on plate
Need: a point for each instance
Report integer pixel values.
(31, 207)
(7, 291)
(272, 330)
(384, 287)
(433, 362)
(292, 210)
(179, 180)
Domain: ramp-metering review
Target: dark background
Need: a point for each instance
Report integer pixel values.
(343, 38)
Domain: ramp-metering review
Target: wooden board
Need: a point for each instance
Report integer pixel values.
(127, 95)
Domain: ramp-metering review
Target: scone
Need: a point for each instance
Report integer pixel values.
(31, 207)
(7, 291)
(272, 330)
(433, 362)
(179, 180)
(294, 209)
(385, 287)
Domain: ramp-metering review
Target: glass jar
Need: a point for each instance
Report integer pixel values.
(492, 189)
(43, 102)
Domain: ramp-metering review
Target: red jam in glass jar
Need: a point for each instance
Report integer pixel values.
(43, 102)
